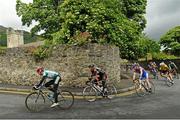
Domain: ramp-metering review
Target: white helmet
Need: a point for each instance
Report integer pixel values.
(162, 63)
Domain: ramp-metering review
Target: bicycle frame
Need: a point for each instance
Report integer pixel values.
(40, 91)
(95, 87)
(142, 83)
(98, 90)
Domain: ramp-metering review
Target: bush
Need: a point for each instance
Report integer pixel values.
(2, 50)
(162, 56)
(42, 52)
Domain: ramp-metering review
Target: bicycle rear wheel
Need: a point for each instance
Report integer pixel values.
(89, 94)
(35, 101)
(111, 91)
(65, 99)
(140, 91)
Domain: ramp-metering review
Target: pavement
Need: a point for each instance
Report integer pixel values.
(125, 87)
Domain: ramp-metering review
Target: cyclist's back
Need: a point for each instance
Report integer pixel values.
(50, 74)
(163, 67)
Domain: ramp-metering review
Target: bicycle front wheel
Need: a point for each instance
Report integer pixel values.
(168, 82)
(65, 99)
(35, 101)
(140, 91)
(89, 94)
(111, 91)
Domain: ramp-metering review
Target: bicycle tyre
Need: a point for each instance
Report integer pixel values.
(140, 92)
(111, 91)
(34, 101)
(168, 83)
(65, 100)
(89, 94)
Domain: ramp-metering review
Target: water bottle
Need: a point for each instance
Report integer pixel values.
(50, 95)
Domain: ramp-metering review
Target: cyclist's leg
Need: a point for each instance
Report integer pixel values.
(140, 83)
(164, 74)
(48, 85)
(169, 76)
(56, 85)
(103, 85)
(145, 77)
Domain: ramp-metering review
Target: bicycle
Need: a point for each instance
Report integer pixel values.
(35, 101)
(92, 91)
(168, 82)
(144, 87)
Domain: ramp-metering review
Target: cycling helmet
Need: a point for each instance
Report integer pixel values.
(162, 63)
(135, 65)
(40, 70)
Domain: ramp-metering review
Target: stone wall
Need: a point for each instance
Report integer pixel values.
(18, 66)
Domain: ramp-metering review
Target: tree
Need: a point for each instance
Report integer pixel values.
(135, 10)
(103, 22)
(146, 45)
(82, 21)
(171, 41)
(44, 12)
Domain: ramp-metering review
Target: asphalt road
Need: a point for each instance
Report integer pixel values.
(165, 103)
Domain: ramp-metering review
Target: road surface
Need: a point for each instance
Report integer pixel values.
(165, 103)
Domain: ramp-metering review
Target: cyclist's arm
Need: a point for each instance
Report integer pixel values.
(134, 75)
(41, 81)
(97, 77)
(141, 72)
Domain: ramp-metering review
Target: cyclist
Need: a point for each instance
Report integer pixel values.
(143, 74)
(54, 80)
(153, 68)
(97, 75)
(173, 67)
(165, 72)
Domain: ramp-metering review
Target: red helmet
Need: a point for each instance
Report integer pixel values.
(40, 70)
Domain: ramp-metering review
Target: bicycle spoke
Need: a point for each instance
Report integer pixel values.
(35, 102)
(89, 94)
(111, 91)
(140, 90)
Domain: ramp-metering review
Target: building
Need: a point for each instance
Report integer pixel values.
(14, 38)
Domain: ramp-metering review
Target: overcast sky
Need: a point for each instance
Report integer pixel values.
(161, 16)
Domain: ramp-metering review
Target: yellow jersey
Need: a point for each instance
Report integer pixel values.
(164, 67)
